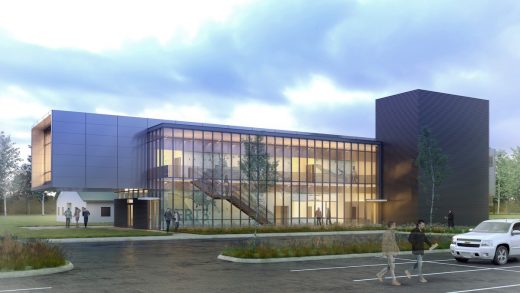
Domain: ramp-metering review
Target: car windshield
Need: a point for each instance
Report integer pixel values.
(492, 227)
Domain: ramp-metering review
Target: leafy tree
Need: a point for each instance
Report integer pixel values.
(433, 166)
(9, 159)
(22, 186)
(257, 171)
(508, 175)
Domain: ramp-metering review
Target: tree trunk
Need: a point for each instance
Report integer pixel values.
(43, 204)
(5, 205)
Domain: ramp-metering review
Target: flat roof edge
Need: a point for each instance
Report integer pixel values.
(264, 132)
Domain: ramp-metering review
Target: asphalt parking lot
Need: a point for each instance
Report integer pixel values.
(192, 266)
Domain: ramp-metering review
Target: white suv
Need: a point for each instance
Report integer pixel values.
(493, 240)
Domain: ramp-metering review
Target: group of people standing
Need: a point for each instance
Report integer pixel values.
(77, 212)
(170, 216)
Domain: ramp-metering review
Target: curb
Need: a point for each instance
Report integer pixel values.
(39, 272)
(314, 257)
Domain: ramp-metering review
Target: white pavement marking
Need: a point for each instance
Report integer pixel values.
(483, 289)
(440, 273)
(466, 266)
(348, 267)
(360, 266)
(26, 289)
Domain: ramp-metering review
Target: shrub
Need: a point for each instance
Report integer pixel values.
(33, 254)
(321, 246)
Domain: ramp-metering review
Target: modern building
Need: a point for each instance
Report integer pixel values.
(217, 175)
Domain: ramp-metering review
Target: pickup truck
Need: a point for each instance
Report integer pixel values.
(495, 240)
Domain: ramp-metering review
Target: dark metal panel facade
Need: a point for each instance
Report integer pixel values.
(120, 213)
(461, 126)
(397, 127)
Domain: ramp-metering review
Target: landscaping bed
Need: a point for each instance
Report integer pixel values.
(19, 255)
(438, 228)
(324, 245)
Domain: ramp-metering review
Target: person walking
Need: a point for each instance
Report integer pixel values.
(451, 219)
(226, 187)
(176, 218)
(76, 216)
(168, 216)
(390, 249)
(417, 238)
(328, 221)
(85, 213)
(318, 216)
(68, 216)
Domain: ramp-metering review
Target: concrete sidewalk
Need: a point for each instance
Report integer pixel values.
(186, 236)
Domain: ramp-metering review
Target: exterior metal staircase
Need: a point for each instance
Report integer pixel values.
(216, 190)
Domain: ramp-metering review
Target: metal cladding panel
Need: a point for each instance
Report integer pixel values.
(102, 119)
(131, 152)
(120, 213)
(69, 161)
(68, 149)
(68, 127)
(461, 126)
(68, 138)
(397, 119)
(67, 116)
(100, 129)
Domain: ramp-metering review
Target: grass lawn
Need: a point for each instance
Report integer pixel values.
(504, 216)
(13, 225)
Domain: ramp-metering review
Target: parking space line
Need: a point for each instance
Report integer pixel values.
(484, 289)
(349, 267)
(26, 289)
(430, 274)
(468, 266)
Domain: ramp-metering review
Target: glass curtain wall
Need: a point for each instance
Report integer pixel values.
(229, 179)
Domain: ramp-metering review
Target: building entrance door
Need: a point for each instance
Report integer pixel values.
(130, 213)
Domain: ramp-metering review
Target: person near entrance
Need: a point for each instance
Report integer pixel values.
(417, 238)
(76, 215)
(168, 216)
(319, 216)
(85, 213)
(68, 216)
(176, 218)
(328, 221)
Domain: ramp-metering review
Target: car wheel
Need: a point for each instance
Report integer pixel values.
(461, 259)
(501, 255)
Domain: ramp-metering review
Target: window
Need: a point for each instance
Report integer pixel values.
(105, 211)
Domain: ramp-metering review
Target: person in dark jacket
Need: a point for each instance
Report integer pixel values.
(85, 213)
(451, 219)
(168, 216)
(417, 238)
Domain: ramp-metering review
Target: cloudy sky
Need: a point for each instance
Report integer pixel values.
(296, 65)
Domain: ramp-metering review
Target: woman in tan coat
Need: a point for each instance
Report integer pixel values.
(390, 250)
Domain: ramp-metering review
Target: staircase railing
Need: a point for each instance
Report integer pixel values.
(216, 189)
